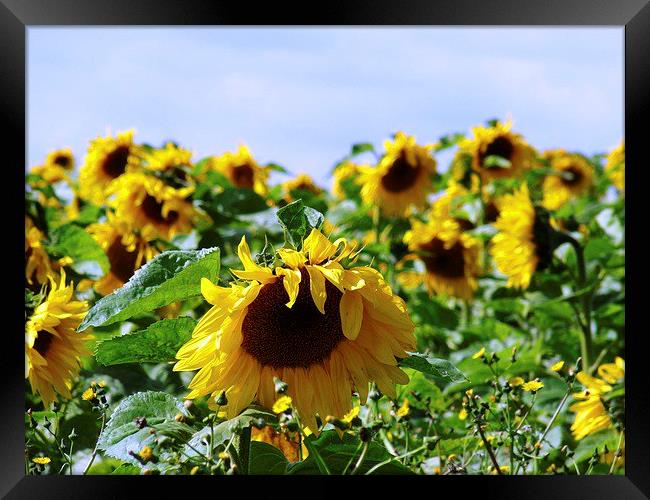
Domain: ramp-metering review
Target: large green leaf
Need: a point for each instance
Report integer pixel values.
(297, 220)
(73, 241)
(439, 369)
(171, 276)
(123, 435)
(266, 459)
(157, 343)
(235, 201)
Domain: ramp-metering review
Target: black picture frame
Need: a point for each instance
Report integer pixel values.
(634, 15)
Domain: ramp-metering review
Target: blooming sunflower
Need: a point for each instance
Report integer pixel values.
(170, 159)
(591, 413)
(302, 182)
(148, 204)
(450, 257)
(242, 170)
(37, 260)
(344, 172)
(52, 346)
(402, 179)
(321, 328)
(108, 158)
(615, 167)
(574, 176)
(497, 152)
(523, 242)
(126, 251)
(57, 166)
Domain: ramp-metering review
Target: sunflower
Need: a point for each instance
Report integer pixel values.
(52, 346)
(342, 174)
(57, 166)
(37, 260)
(573, 177)
(402, 179)
(148, 204)
(523, 242)
(242, 170)
(449, 256)
(591, 414)
(302, 182)
(496, 152)
(321, 328)
(108, 158)
(615, 167)
(125, 249)
(170, 159)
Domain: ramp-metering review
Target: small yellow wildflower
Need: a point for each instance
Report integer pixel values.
(462, 415)
(146, 453)
(557, 366)
(89, 394)
(479, 354)
(404, 409)
(532, 385)
(282, 404)
(194, 470)
(41, 460)
(504, 469)
(354, 412)
(515, 381)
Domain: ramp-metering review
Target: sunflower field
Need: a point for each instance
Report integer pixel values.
(190, 316)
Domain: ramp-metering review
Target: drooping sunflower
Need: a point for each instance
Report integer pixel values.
(242, 170)
(345, 172)
(497, 152)
(522, 244)
(37, 260)
(170, 159)
(302, 182)
(450, 257)
(402, 179)
(591, 414)
(148, 204)
(615, 166)
(318, 326)
(573, 177)
(108, 158)
(58, 164)
(126, 250)
(52, 346)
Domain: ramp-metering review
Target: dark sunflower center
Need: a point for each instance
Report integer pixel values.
(122, 261)
(153, 210)
(572, 176)
(243, 176)
(465, 225)
(445, 262)
(62, 161)
(400, 176)
(491, 212)
(116, 161)
(43, 342)
(301, 336)
(501, 146)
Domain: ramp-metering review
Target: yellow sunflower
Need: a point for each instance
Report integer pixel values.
(148, 204)
(321, 328)
(302, 182)
(615, 167)
(242, 170)
(171, 159)
(574, 176)
(497, 152)
(343, 172)
(108, 158)
(591, 414)
(402, 179)
(126, 250)
(449, 256)
(37, 260)
(522, 244)
(57, 166)
(52, 346)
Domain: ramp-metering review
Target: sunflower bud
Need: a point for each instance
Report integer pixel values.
(221, 399)
(280, 386)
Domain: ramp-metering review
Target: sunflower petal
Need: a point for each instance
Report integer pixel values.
(351, 308)
(291, 282)
(318, 247)
(317, 287)
(292, 258)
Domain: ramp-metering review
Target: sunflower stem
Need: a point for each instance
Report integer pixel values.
(242, 444)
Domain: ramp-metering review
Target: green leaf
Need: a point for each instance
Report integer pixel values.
(157, 343)
(70, 240)
(123, 435)
(495, 161)
(439, 369)
(235, 201)
(361, 147)
(277, 168)
(337, 452)
(586, 446)
(126, 470)
(171, 276)
(297, 220)
(266, 459)
(224, 431)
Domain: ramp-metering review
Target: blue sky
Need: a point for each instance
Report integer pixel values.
(301, 96)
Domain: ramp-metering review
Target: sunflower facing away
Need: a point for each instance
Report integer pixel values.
(615, 166)
(126, 250)
(242, 170)
(301, 182)
(402, 179)
(148, 204)
(344, 173)
(591, 414)
(52, 346)
(449, 256)
(497, 152)
(320, 327)
(573, 177)
(522, 244)
(107, 159)
(57, 166)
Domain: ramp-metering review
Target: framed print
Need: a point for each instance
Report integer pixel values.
(375, 241)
